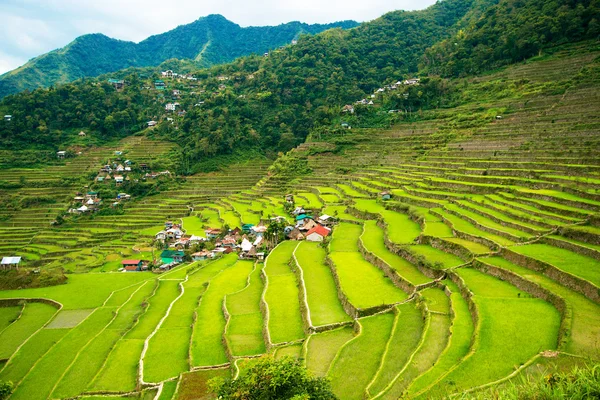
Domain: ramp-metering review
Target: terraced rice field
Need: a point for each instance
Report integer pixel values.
(484, 266)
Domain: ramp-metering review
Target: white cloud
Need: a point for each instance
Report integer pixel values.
(33, 27)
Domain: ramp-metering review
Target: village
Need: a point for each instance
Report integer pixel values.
(249, 242)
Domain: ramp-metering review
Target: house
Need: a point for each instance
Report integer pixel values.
(212, 233)
(246, 228)
(171, 106)
(82, 134)
(307, 225)
(169, 256)
(118, 153)
(222, 78)
(196, 239)
(385, 195)
(117, 83)
(9, 262)
(295, 234)
(152, 123)
(174, 233)
(159, 85)
(182, 243)
(289, 198)
(246, 245)
(298, 211)
(294, 42)
(168, 225)
(279, 219)
(132, 265)
(317, 234)
(325, 219)
(167, 73)
(61, 154)
(345, 125)
(201, 255)
(92, 195)
(162, 235)
(119, 179)
(7, 117)
(348, 108)
(176, 92)
(259, 230)
(300, 218)
(413, 81)
(83, 209)
(228, 241)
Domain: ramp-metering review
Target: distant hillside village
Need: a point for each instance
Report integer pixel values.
(250, 242)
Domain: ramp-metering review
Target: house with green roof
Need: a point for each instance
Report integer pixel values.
(168, 256)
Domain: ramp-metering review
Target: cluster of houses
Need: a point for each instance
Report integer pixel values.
(89, 202)
(369, 102)
(119, 172)
(174, 75)
(309, 228)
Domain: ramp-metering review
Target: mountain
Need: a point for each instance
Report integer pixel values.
(208, 41)
(274, 103)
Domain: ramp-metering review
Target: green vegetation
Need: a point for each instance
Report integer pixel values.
(322, 348)
(281, 295)
(271, 379)
(321, 293)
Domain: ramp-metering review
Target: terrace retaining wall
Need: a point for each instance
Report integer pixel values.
(391, 273)
(563, 244)
(580, 285)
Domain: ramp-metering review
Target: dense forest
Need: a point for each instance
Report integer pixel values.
(208, 41)
(272, 103)
(511, 31)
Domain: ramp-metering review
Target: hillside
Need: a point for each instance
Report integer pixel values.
(482, 270)
(208, 41)
(270, 102)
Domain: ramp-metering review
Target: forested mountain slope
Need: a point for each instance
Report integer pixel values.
(209, 40)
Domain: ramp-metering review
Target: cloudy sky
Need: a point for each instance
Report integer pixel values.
(33, 27)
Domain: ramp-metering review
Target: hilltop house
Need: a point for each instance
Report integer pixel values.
(152, 123)
(132, 265)
(413, 81)
(61, 154)
(82, 134)
(317, 234)
(348, 108)
(117, 83)
(171, 106)
(167, 74)
(7, 117)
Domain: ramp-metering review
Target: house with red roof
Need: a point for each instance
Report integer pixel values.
(132, 265)
(317, 234)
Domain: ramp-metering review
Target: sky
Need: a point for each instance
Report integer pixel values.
(33, 27)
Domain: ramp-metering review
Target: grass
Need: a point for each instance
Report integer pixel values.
(323, 303)
(120, 371)
(460, 340)
(373, 240)
(282, 296)
(360, 357)
(473, 247)
(435, 340)
(408, 329)
(488, 222)
(437, 229)
(585, 329)
(436, 257)
(40, 380)
(68, 318)
(364, 284)
(82, 291)
(466, 227)
(8, 315)
(34, 316)
(436, 300)
(565, 260)
(400, 228)
(193, 225)
(322, 348)
(244, 332)
(512, 329)
(294, 350)
(207, 345)
(194, 385)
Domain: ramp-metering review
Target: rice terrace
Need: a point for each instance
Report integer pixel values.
(400, 250)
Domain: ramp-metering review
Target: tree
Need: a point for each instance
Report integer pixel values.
(6, 389)
(271, 379)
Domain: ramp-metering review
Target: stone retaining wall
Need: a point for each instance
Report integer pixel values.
(392, 274)
(563, 244)
(580, 285)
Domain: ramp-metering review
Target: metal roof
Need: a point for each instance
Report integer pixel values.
(10, 260)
